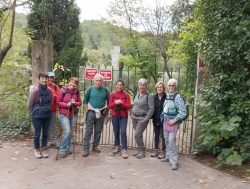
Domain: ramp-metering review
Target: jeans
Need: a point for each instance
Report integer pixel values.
(120, 126)
(40, 125)
(97, 124)
(158, 130)
(67, 131)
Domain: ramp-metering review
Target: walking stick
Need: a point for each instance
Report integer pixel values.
(61, 136)
(73, 129)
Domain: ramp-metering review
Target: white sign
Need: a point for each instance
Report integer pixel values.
(117, 49)
(115, 55)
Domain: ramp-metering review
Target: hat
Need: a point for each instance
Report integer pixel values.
(50, 74)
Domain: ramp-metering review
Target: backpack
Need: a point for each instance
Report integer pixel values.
(185, 103)
(115, 94)
(37, 92)
(136, 94)
(65, 90)
(90, 89)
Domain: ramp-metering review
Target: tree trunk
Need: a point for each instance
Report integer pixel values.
(5, 50)
(166, 66)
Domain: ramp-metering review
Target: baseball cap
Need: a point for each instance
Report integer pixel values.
(50, 74)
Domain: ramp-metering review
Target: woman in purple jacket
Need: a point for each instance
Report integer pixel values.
(68, 99)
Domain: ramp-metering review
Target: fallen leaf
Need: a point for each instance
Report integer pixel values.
(14, 159)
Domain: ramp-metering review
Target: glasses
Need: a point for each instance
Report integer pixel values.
(159, 87)
(171, 85)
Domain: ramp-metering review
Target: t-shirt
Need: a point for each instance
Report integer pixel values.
(97, 97)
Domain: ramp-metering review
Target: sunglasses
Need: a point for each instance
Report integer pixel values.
(171, 85)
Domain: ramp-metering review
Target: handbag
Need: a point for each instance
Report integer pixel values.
(168, 127)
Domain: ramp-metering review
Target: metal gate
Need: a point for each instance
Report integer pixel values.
(184, 135)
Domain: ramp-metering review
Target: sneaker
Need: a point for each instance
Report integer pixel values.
(85, 153)
(43, 152)
(162, 155)
(54, 146)
(38, 154)
(155, 153)
(124, 154)
(116, 149)
(165, 160)
(140, 155)
(62, 154)
(96, 149)
(174, 167)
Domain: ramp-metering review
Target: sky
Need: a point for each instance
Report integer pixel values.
(93, 9)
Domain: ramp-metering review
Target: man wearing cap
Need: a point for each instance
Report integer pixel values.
(52, 127)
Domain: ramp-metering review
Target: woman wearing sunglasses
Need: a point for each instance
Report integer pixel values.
(174, 111)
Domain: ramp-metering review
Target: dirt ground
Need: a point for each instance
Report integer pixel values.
(20, 169)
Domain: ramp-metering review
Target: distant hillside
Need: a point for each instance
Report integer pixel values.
(97, 34)
(21, 20)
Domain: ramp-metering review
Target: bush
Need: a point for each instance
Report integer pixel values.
(14, 127)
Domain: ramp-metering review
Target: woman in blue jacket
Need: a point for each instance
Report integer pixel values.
(174, 112)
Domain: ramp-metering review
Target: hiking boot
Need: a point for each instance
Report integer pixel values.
(116, 149)
(165, 160)
(85, 153)
(43, 152)
(96, 149)
(155, 153)
(140, 155)
(62, 154)
(69, 152)
(174, 167)
(38, 154)
(124, 154)
(162, 155)
(54, 146)
(136, 153)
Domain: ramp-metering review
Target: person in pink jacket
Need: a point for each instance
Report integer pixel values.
(68, 99)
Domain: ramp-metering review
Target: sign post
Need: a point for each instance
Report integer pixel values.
(107, 75)
(90, 73)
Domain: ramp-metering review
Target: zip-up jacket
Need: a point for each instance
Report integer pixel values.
(56, 90)
(120, 110)
(158, 109)
(40, 102)
(64, 97)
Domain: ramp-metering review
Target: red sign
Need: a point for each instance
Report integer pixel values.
(107, 74)
(90, 73)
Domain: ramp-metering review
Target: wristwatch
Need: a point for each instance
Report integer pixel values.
(177, 119)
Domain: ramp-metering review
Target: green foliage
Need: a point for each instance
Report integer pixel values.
(147, 48)
(225, 105)
(13, 127)
(58, 22)
(14, 85)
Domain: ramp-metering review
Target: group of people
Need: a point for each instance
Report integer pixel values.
(165, 110)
